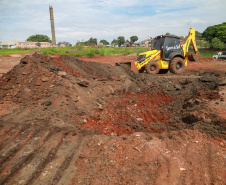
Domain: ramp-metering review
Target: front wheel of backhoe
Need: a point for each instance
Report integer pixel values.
(177, 65)
(152, 68)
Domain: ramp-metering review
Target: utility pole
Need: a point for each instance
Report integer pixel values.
(52, 26)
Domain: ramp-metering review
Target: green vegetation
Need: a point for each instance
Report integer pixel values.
(203, 43)
(217, 44)
(121, 41)
(91, 42)
(218, 31)
(65, 43)
(39, 38)
(216, 36)
(104, 42)
(133, 39)
(205, 53)
(80, 50)
(14, 51)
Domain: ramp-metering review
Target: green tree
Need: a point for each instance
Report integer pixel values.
(39, 38)
(217, 44)
(181, 37)
(218, 31)
(92, 41)
(4, 46)
(64, 43)
(167, 33)
(114, 42)
(133, 39)
(203, 43)
(198, 35)
(79, 43)
(104, 42)
(121, 40)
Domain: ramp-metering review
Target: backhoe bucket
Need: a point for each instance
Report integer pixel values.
(193, 57)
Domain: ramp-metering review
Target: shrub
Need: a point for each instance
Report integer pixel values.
(77, 54)
(90, 52)
(100, 52)
(217, 44)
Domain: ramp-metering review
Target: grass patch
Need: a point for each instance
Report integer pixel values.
(205, 53)
(14, 51)
(80, 50)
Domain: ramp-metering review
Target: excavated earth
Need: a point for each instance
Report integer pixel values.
(64, 120)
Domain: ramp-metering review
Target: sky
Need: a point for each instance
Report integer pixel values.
(79, 20)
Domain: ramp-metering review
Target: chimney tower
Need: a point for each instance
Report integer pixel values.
(52, 26)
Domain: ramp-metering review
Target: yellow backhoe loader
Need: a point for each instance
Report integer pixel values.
(167, 53)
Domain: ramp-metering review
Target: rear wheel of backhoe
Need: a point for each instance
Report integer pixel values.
(152, 68)
(177, 65)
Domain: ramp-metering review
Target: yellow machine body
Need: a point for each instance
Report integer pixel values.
(157, 55)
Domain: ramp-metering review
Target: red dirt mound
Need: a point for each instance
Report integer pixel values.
(67, 121)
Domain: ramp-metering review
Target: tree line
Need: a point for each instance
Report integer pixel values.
(213, 37)
(119, 41)
(91, 42)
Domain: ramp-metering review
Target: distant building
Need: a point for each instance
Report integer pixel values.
(62, 45)
(145, 42)
(33, 44)
(10, 44)
(22, 44)
(100, 44)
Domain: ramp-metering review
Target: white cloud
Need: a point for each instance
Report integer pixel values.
(82, 19)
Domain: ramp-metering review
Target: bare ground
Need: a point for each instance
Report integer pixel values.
(68, 121)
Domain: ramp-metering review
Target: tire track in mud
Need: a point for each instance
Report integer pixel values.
(53, 171)
(15, 146)
(19, 155)
(37, 155)
(10, 134)
(51, 156)
(41, 159)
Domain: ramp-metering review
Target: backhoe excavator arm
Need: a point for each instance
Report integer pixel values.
(190, 39)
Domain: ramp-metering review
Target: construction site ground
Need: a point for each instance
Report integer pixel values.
(67, 120)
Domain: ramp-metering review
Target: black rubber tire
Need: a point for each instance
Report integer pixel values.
(177, 65)
(152, 68)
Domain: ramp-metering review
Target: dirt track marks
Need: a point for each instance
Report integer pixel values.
(53, 156)
(35, 156)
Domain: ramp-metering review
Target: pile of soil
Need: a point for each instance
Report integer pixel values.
(82, 101)
(65, 91)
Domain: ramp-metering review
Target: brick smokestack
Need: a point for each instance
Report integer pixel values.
(52, 25)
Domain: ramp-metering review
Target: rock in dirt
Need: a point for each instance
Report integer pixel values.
(222, 82)
(208, 79)
(178, 87)
(46, 102)
(44, 79)
(83, 83)
(62, 73)
(191, 118)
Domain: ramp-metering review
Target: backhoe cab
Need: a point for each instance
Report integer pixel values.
(168, 53)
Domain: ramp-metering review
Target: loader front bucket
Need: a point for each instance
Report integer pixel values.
(193, 57)
(130, 65)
